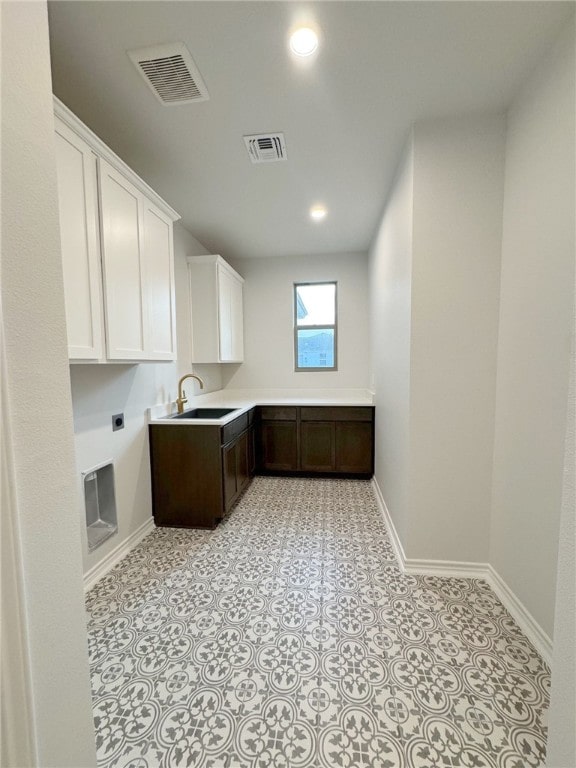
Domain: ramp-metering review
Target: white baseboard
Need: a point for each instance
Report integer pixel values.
(115, 555)
(516, 608)
(455, 569)
(394, 538)
(467, 570)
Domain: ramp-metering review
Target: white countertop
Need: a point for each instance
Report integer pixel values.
(243, 400)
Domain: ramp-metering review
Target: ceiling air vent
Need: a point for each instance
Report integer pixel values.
(170, 72)
(266, 147)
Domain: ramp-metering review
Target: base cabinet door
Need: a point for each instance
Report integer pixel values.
(242, 471)
(251, 451)
(229, 475)
(354, 451)
(195, 477)
(278, 446)
(235, 468)
(316, 440)
(187, 486)
(317, 446)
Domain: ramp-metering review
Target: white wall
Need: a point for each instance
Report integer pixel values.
(561, 749)
(534, 337)
(458, 186)
(268, 322)
(37, 410)
(390, 279)
(491, 296)
(98, 391)
(434, 275)
(16, 732)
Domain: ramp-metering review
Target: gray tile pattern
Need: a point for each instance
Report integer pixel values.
(289, 638)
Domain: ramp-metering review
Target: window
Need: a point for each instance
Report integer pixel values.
(315, 333)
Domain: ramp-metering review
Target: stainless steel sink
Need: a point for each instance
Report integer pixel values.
(204, 413)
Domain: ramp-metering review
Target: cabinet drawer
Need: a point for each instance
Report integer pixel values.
(277, 413)
(235, 428)
(336, 413)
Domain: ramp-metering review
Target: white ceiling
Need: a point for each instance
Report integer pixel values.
(381, 66)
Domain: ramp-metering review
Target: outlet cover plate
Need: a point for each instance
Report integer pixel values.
(117, 422)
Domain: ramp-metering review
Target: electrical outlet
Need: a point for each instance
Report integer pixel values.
(117, 422)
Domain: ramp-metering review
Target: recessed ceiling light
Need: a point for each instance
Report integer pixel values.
(318, 212)
(304, 41)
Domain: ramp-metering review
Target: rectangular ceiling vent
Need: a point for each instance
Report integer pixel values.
(266, 147)
(170, 72)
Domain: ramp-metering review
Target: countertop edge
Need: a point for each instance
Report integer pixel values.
(243, 402)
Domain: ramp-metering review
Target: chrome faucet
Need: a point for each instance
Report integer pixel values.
(181, 399)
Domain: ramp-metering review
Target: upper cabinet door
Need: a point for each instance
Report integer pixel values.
(117, 252)
(76, 168)
(216, 310)
(230, 316)
(122, 212)
(225, 287)
(237, 312)
(158, 272)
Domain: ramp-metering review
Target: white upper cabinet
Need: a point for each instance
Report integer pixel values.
(217, 311)
(122, 262)
(230, 314)
(117, 248)
(76, 167)
(158, 269)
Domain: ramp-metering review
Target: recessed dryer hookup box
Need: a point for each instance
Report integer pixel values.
(100, 504)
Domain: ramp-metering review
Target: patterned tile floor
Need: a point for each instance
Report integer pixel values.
(289, 638)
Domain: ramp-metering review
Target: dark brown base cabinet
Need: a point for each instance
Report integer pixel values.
(235, 466)
(199, 471)
(278, 439)
(316, 440)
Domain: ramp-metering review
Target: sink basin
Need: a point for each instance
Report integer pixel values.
(204, 413)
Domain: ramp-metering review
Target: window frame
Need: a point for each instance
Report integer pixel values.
(334, 327)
